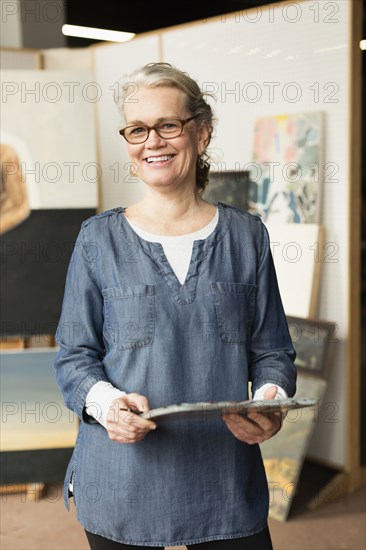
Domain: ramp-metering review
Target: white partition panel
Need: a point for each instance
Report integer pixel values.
(110, 63)
(286, 58)
(67, 58)
(25, 58)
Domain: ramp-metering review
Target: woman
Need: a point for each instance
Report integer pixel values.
(170, 300)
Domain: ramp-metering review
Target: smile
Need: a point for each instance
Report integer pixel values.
(161, 159)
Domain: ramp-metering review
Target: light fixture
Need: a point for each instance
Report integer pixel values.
(363, 44)
(96, 34)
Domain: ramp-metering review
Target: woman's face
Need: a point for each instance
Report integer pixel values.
(148, 107)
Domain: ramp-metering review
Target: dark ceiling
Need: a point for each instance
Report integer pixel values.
(136, 16)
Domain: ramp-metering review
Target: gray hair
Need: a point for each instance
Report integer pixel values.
(164, 74)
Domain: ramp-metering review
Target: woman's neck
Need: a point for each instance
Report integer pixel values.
(168, 215)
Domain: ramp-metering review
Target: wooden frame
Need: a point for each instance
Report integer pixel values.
(314, 341)
(33, 466)
(356, 472)
(36, 444)
(229, 186)
(284, 454)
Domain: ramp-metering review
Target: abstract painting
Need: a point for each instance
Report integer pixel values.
(287, 152)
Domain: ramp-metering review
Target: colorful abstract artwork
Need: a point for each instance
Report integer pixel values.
(287, 155)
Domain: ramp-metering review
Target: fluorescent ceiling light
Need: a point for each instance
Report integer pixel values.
(96, 34)
(331, 48)
(363, 44)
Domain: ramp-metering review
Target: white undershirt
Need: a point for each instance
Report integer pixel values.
(178, 250)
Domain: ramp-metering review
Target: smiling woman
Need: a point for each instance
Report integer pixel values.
(172, 310)
(180, 99)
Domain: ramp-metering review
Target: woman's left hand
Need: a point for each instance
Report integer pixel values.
(255, 427)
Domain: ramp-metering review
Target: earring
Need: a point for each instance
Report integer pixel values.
(133, 169)
(201, 161)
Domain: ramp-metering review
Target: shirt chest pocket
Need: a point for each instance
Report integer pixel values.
(129, 314)
(234, 306)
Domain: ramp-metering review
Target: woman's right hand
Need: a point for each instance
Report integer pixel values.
(124, 426)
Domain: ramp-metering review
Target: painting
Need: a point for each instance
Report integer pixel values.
(34, 415)
(35, 255)
(287, 152)
(230, 187)
(284, 454)
(315, 342)
(49, 185)
(14, 196)
(49, 136)
(38, 432)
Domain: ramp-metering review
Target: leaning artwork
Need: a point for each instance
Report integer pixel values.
(284, 454)
(287, 154)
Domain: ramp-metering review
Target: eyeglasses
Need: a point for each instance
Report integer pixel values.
(167, 129)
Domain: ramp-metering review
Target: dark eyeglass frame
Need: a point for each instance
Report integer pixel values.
(155, 127)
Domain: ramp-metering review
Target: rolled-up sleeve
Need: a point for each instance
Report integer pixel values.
(271, 353)
(79, 333)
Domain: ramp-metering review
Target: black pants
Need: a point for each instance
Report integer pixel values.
(260, 541)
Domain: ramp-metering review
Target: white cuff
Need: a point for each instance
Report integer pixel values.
(99, 400)
(259, 394)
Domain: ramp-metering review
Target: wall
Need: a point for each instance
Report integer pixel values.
(110, 63)
(25, 24)
(10, 25)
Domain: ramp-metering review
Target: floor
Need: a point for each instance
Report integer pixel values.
(26, 525)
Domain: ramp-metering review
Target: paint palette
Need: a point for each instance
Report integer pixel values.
(213, 410)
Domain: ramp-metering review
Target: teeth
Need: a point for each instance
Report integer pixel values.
(159, 159)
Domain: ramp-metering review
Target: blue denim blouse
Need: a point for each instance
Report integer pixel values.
(126, 319)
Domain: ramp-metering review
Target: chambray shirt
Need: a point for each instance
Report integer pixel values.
(128, 320)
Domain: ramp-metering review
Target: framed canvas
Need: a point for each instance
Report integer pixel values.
(298, 259)
(38, 432)
(230, 187)
(288, 151)
(314, 341)
(34, 414)
(48, 139)
(49, 185)
(34, 259)
(284, 454)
